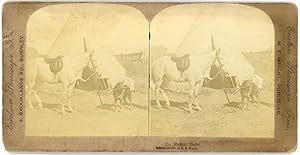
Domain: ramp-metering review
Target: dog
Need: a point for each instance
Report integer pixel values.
(249, 91)
(122, 93)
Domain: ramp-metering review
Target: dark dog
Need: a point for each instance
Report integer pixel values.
(122, 93)
(249, 91)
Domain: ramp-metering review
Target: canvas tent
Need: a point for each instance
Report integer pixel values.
(232, 32)
(235, 64)
(236, 70)
(71, 41)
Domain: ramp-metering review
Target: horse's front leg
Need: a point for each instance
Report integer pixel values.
(156, 97)
(191, 98)
(192, 95)
(64, 97)
(69, 95)
(165, 97)
(38, 99)
(197, 92)
(191, 101)
(28, 96)
(62, 103)
(40, 105)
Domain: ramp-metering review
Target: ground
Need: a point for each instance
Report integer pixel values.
(89, 118)
(218, 118)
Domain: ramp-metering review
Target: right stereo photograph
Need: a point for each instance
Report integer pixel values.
(212, 72)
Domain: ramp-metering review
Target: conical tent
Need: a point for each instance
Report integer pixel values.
(237, 65)
(234, 33)
(69, 40)
(109, 67)
(234, 62)
(75, 36)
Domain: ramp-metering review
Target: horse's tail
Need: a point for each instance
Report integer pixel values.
(157, 72)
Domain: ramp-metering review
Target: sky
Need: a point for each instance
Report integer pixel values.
(235, 28)
(110, 27)
(122, 29)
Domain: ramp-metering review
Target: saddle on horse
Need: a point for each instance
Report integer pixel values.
(182, 63)
(55, 64)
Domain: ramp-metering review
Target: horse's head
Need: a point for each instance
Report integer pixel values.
(218, 58)
(216, 63)
(92, 61)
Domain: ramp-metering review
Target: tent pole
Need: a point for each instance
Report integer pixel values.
(98, 90)
(94, 70)
(225, 89)
(224, 77)
(99, 96)
(106, 89)
(226, 95)
(220, 66)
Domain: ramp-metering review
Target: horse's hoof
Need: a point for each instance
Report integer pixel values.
(159, 106)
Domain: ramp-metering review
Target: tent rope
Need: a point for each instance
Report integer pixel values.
(216, 75)
(84, 80)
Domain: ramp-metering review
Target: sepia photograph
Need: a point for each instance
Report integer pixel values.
(212, 71)
(86, 71)
(149, 77)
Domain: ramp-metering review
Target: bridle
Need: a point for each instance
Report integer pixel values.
(91, 60)
(94, 67)
(222, 70)
(217, 59)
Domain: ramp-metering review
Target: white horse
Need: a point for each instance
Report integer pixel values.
(194, 75)
(38, 71)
